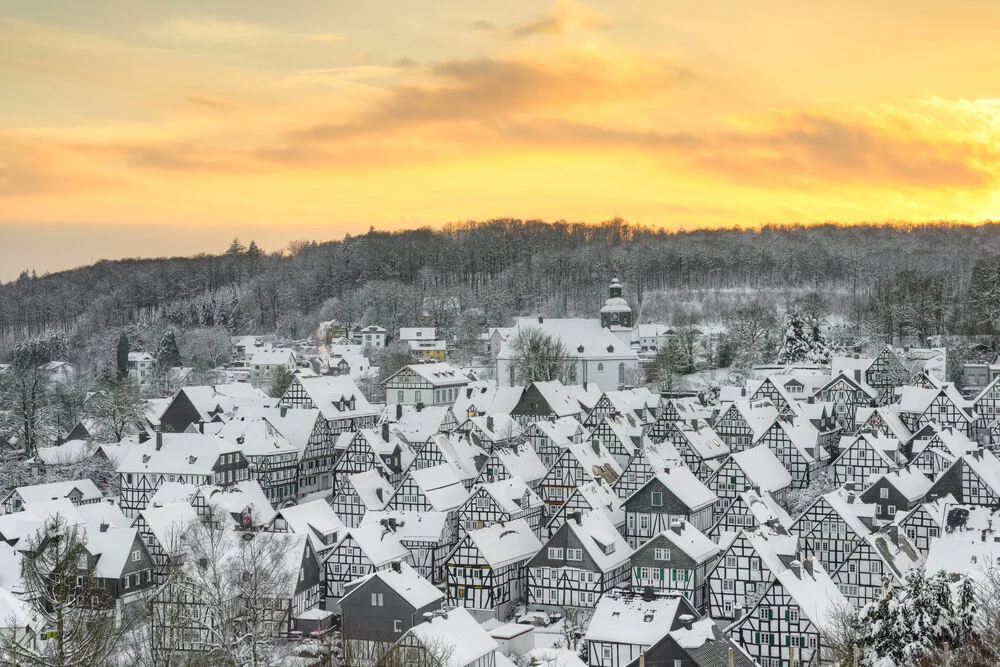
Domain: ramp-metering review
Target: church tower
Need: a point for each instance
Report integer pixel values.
(616, 311)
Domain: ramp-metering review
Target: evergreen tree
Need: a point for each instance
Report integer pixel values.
(236, 248)
(121, 355)
(280, 383)
(168, 355)
(796, 344)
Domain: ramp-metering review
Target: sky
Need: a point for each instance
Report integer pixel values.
(157, 128)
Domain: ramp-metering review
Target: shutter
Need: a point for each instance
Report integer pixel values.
(788, 640)
(770, 614)
(787, 616)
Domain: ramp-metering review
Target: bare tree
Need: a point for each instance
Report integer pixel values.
(537, 356)
(58, 578)
(118, 409)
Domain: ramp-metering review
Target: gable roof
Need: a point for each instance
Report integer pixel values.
(506, 543)
(762, 468)
(404, 582)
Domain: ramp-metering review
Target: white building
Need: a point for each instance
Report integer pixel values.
(140, 367)
(427, 384)
(596, 356)
(371, 336)
(265, 364)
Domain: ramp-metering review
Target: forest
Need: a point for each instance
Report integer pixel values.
(900, 281)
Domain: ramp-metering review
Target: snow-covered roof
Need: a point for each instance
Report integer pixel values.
(561, 403)
(461, 454)
(852, 513)
(94, 514)
(889, 417)
(256, 437)
(276, 356)
(601, 496)
(765, 508)
(373, 489)
(379, 544)
(625, 617)
(331, 396)
(895, 550)
(683, 483)
(817, 596)
(315, 519)
(411, 526)
(460, 638)
(438, 374)
(522, 462)
(57, 490)
(168, 522)
(405, 582)
(913, 484)
(441, 486)
(597, 342)
(294, 424)
(16, 613)
(181, 454)
(601, 539)
(595, 460)
(484, 397)
(416, 426)
(113, 548)
(986, 465)
(512, 495)
(762, 468)
(70, 451)
(503, 544)
(685, 537)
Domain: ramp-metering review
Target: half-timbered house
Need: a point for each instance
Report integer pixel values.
(919, 406)
(271, 459)
(77, 491)
(426, 535)
(677, 559)
(674, 493)
(575, 466)
(881, 421)
(619, 437)
(749, 511)
(754, 468)
(701, 448)
(501, 502)
(506, 462)
(186, 458)
(546, 401)
(582, 561)
(596, 495)
(745, 569)
(161, 529)
(896, 491)
(926, 522)
(884, 556)
(864, 456)
(626, 623)
(744, 422)
(425, 384)
(548, 440)
(796, 444)
(795, 611)
(359, 552)
(338, 399)
(361, 493)
(833, 524)
(847, 393)
(434, 489)
(973, 479)
(370, 449)
(485, 570)
(646, 462)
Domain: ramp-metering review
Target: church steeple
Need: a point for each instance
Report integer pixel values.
(616, 311)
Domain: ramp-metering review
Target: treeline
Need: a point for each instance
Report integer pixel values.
(915, 279)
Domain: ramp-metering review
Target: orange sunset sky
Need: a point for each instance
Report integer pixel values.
(151, 128)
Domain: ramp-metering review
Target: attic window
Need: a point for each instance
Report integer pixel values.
(611, 348)
(648, 618)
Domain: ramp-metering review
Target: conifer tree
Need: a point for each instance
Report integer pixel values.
(168, 355)
(121, 355)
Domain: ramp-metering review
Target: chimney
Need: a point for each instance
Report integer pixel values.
(894, 534)
(677, 526)
(596, 446)
(849, 486)
(686, 620)
(378, 494)
(743, 391)
(577, 516)
(648, 595)
(397, 566)
(104, 526)
(667, 470)
(489, 422)
(159, 440)
(857, 375)
(420, 407)
(850, 497)
(694, 424)
(796, 568)
(585, 385)
(468, 392)
(428, 616)
(541, 319)
(284, 410)
(811, 400)
(808, 565)
(385, 431)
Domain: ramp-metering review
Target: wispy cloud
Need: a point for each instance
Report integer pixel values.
(210, 30)
(565, 16)
(208, 102)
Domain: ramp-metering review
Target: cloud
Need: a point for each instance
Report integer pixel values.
(213, 103)
(482, 25)
(488, 90)
(565, 16)
(328, 37)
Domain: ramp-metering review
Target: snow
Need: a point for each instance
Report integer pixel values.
(256, 437)
(460, 633)
(973, 559)
(439, 374)
(56, 490)
(294, 425)
(15, 613)
(380, 545)
(328, 393)
(599, 495)
(278, 356)
(114, 547)
(701, 631)
(597, 342)
(412, 526)
(181, 454)
(595, 461)
(816, 594)
(373, 489)
(762, 468)
(507, 543)
(70, 451)
(522, 462)
(315, 519)
(596, 533)
(913, 484)
(627, 618)
(414, 589)
(441, 486)
(561, 403)
(512, 495)
(690, 540)
(168, 523)
(683, 483)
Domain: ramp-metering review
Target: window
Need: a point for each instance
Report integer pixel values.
(883, 493)
(911, 533)
(83, 563)
(600, 368)
(728, 585)
(730, 561)
(399, 396)
(621, 373)
(607, 654)
(661, 554)
(762, 613)
(574, 554)
(377, 600)
(657, 499)
(136, 556)
(852, 567)
(417, 396)
(555, 553)
(876, 566)
(754, 564)
(644, 522)
(892, 510)
(793, 615)
(397, 625)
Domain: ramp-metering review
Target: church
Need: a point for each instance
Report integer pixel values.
(599, 349)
